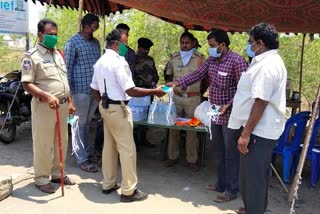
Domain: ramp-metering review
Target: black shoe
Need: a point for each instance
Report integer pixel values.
(136, 196)
(114, 188)
(46, 188)
(146, 143)
(66, 181)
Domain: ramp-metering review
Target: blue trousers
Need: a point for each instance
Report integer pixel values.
(85, 106)
(226, 154)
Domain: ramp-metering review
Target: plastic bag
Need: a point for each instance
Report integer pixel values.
(163, 113)
(76, 141)
(206, 113)
(139, 113)
(140, 101)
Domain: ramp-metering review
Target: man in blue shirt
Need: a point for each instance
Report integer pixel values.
(81, 52)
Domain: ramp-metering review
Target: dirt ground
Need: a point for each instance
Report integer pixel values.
(171, 190)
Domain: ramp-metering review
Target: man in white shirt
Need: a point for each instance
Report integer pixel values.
(112, 86)
(259, 108)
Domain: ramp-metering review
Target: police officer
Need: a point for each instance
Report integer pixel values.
(44, 75)
(112, 86)
(185, 99)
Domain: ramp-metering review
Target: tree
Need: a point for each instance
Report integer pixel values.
(165, 37)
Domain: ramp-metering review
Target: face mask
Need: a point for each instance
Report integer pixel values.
(50, 40)
(123, 49)
(250, 52)
(214, 52)
(186, 56)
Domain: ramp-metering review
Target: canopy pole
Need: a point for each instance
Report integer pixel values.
(301, 68)
(80, 14)
(295, 184)
(104, 32)
(27, 41)
(104, 26)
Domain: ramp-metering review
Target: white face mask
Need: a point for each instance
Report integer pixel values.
(186, 56)
(214, 52)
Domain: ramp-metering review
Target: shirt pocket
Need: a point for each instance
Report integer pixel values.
(222, 79)
(224, 74)
(48, 70)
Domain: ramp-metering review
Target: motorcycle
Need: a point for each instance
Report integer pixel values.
(15, 105)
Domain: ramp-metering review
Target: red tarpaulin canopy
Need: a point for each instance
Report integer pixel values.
(298, 16)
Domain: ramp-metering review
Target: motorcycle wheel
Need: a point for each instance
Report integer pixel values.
(8, 133)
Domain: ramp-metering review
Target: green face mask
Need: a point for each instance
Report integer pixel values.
(49, 40)
(123, 49)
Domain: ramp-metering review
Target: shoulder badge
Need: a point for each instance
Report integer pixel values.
(26, 64)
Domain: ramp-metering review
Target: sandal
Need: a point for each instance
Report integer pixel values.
(241, 210)
(214, 187)
(225, 197)
(86, 166)
(96, 158)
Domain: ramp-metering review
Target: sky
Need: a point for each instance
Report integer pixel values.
(34, 15)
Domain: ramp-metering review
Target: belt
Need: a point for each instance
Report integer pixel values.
(118, 102)
(187, 94)
(62, 100)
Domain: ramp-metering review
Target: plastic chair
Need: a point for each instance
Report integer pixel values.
(288, 146)
(313, 154)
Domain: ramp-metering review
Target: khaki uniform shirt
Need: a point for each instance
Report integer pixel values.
(176, 68)
(46, 70)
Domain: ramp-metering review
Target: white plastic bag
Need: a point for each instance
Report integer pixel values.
(201, 113)
(76, 141)
(139, 113)
(140, 101)
(206, 113)
(163, 113)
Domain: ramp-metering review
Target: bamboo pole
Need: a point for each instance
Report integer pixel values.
(279, 178)
(104, 29)
(301, 68)
(295, 183)
(80, 14)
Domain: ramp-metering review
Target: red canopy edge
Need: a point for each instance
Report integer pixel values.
(294, 16)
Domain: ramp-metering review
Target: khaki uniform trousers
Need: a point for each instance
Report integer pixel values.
(118, 142)
(185, 108)
(45, 140)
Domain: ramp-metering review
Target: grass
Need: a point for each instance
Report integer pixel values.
(11, 61)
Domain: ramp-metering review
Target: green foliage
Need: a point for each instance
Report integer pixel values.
(290, 50)
(165, 37)
(67, 21)
(3, 47)
(9, 59)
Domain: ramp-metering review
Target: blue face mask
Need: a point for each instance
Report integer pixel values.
(214, 52)
(249, 51)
